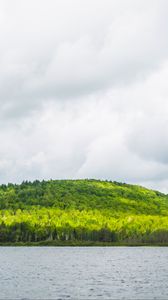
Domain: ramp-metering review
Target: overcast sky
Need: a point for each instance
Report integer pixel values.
(84, 90)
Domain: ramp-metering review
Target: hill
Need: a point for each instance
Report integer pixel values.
(82, 210)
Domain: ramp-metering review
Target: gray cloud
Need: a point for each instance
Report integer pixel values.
(83, 90)
(50, 51)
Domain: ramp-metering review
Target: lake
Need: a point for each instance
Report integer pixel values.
(83, 273)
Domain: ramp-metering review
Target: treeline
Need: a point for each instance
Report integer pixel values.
(82, 210)
(72, 225)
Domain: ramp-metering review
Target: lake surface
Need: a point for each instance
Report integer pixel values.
(83, 273)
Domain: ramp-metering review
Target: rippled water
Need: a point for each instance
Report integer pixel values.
(83, 273)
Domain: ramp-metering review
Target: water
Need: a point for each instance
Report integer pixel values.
(83, 273)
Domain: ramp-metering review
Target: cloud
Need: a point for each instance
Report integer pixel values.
(61, 49)
(83, 90)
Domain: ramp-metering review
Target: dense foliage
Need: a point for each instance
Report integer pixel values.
(82, 210)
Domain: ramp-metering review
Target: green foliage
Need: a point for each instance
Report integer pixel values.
(82, 210)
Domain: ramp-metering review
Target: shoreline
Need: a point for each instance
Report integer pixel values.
(80, 244)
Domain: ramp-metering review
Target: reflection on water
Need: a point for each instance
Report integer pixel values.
(83, 273)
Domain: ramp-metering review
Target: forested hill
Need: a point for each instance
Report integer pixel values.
(84, 194)
(82, 211)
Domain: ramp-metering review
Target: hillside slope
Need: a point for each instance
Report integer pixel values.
(82, 210)
(84, 194)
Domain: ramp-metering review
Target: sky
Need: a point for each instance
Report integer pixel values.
(84, 91)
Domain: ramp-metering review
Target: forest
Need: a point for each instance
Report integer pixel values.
(64, 211)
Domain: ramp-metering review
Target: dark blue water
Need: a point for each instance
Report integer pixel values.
(83, 273)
